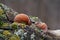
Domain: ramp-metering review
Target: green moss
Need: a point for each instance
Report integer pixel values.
(5, 25)
(1, 23)
(14, 25)
(14, 37)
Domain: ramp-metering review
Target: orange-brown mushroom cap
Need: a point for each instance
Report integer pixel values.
(42, 26)
(22, 18)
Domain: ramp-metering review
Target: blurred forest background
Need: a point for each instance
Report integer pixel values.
(47, 10)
